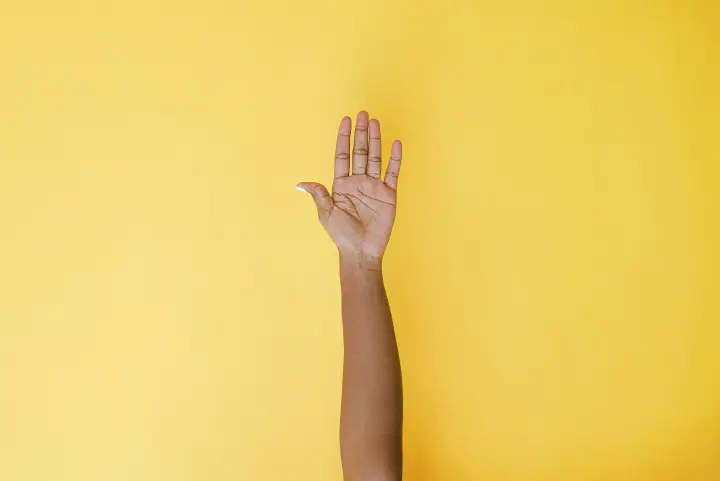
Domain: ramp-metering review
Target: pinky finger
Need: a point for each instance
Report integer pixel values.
(393, 169)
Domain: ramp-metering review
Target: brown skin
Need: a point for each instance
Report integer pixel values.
(359, 217)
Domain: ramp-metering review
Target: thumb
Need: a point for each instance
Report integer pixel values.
(320, 195)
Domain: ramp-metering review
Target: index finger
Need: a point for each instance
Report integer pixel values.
(342, 149)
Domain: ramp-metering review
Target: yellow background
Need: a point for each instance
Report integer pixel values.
(169, 307)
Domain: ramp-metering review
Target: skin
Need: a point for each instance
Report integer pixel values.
(359, 217)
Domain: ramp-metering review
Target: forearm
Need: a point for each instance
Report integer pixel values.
(371, 414)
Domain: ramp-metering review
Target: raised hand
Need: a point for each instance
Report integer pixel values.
(359, 215)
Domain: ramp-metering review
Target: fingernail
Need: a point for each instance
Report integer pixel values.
(301, 189)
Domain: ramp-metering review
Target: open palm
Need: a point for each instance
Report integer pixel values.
(359, 215)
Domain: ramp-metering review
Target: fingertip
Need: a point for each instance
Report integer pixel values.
(374, 127)
(306, 187)
(363, 117)
(345, 125)
(397, 148)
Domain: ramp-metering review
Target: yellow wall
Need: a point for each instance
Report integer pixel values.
(169, 307)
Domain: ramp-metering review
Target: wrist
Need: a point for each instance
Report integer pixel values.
(360, 260)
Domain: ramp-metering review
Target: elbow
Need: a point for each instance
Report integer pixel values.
(377, 473)
(380, 475)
